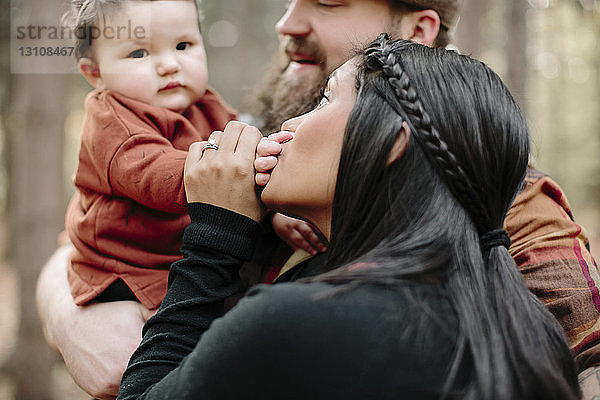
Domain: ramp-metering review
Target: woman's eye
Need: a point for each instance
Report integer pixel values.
(139, 53)
(324, 97)
(183, 45)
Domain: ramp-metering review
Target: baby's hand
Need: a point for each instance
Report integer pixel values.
(298, 234)
(266, 155)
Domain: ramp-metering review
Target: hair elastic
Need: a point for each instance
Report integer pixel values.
(497, 237)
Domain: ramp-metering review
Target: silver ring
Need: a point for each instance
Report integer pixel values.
(212, 144)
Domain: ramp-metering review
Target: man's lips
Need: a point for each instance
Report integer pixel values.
(302, 58)
(171, 85)
(298, 64)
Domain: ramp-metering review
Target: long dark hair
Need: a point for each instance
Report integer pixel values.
(423, 216)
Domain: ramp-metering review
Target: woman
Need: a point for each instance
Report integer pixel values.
(408, 166)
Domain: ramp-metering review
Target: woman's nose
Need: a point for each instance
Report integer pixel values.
(295, 21)
(291, 124)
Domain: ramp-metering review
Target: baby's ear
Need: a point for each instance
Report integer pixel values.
(400, 144)
(90, 71)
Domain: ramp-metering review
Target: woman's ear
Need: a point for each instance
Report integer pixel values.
(90, 71)
(400, 144)
(424, 26)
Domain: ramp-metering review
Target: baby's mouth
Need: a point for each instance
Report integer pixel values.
(171, 85)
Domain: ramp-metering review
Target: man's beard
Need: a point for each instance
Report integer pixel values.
(281, 97)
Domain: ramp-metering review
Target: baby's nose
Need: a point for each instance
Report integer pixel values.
(168, 66)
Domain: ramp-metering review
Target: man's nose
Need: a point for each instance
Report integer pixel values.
(295, 21)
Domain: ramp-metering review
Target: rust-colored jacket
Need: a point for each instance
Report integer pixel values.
(126, 220)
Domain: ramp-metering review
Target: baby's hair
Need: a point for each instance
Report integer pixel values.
(85, 15)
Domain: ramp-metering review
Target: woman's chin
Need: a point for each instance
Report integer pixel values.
(267, 196)
(272, 197)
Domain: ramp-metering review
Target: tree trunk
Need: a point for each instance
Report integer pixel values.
(36, 201)
(36, 213)
(516, 50)
(4, 59)
(468, 35)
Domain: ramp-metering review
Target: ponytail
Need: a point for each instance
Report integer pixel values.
(517, 347)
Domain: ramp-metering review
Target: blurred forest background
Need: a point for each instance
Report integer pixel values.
(547, 51)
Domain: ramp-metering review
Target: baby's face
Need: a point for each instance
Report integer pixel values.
(152, 51)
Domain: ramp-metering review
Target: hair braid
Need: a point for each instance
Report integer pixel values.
(430, 139)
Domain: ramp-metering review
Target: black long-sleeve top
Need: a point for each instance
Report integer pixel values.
(284, 341)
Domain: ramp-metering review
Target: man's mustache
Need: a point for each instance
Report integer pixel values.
(300, 45)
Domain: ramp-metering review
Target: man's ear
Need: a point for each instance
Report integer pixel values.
(424, 26)
(400, 144)
(90, 71)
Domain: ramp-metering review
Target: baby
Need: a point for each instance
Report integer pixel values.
(147, 62)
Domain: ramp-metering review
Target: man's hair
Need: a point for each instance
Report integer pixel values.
(85, 15)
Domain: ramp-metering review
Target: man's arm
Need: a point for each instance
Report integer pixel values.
(95, 341)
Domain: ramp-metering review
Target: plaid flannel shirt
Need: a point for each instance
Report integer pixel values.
(553, 254)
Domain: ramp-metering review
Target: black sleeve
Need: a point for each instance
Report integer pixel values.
(215, 244)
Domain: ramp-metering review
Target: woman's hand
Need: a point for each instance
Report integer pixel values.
(225, 177)
(266, 155)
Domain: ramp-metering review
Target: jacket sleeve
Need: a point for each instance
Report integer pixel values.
(214, 246)
(149, 170)
(125, 152)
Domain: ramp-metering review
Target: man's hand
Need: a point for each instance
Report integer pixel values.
(298, 234)
(589, 380)
(98, 342)
(95, 341)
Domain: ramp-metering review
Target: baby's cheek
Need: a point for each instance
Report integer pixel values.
(136, 86)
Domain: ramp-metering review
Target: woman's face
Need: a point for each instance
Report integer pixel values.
(303, 182)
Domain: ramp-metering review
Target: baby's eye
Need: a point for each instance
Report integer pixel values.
(139, 53)
(183, 45)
